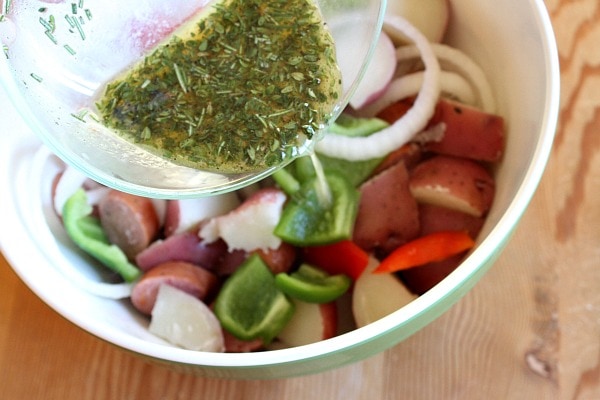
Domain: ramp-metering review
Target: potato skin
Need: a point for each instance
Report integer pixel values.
(468, 131)
(438, 219)
(456, 183)
(387, 213)
(420, 279)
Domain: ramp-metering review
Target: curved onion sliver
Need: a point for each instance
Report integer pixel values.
(381, 143)
(458, 61)
(408, 85)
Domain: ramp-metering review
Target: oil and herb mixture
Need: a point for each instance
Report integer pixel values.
(237, 90)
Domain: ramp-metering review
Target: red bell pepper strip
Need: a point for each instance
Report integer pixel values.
(344, 257)
(430, 248)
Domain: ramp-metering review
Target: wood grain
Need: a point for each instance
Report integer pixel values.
(575, 208)
(529, 329)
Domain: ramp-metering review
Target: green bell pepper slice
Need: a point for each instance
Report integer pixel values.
(306, 221)
(356, 172)
(312, 285)
(87, 233)
(250, 306)
(348, 125)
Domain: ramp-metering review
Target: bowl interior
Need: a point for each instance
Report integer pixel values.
(512, 40)
(60, 56)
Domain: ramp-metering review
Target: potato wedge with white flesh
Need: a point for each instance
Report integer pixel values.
(310, 323)
(259, 214)
(185, 214)
(456, 183)
(183, 320)
(377, 295)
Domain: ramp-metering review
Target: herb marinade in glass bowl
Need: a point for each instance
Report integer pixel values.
(183, 99)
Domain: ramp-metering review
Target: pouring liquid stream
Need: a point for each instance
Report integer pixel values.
(324, 195)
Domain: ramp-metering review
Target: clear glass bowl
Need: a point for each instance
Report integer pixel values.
(61, 54)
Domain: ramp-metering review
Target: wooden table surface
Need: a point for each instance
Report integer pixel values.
(530, 329)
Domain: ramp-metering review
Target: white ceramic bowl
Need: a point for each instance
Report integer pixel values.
(511, 39)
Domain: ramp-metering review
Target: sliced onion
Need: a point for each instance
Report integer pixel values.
(39, 178)
(381, 143)
(113, 291)
(95, 195)
(70, 180)
(454, 59)
(408, 85)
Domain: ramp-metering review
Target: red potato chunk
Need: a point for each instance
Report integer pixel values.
(439, 219)
(419, 280)
(190, 278)
(230, 261)
(467, 131)
(410, 154)
(280, 259)
(186, 246)
(456, 183)
(387, 212)
(130, 221)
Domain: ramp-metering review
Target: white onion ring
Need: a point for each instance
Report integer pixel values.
(38, 179)
(400, 132)
(458, 61)
(408, 85)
